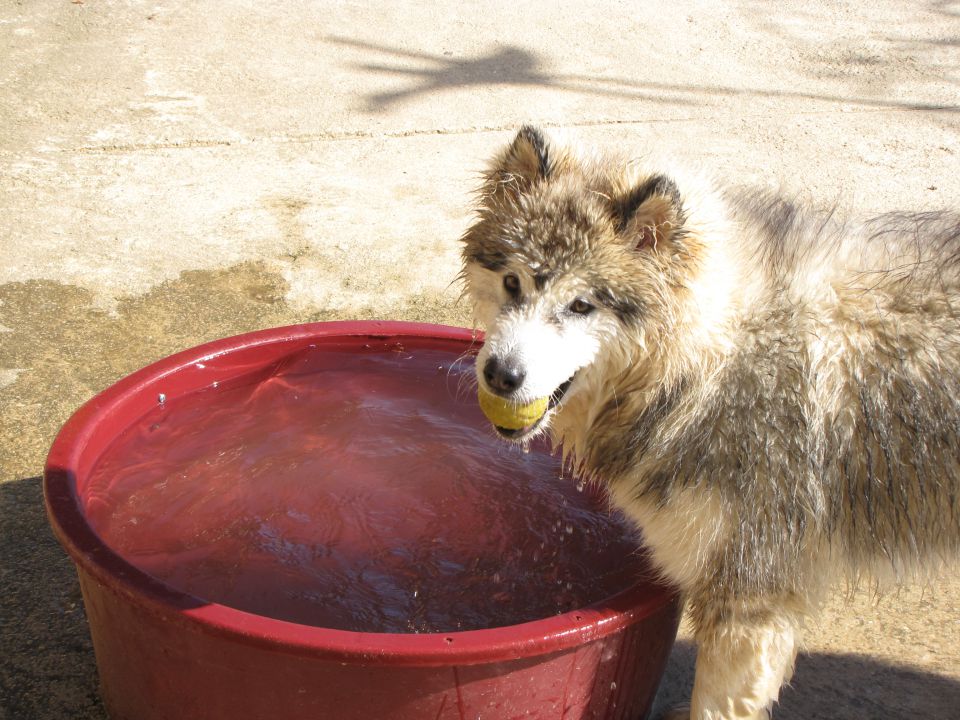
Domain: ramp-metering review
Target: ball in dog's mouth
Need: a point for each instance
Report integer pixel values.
(515, 421)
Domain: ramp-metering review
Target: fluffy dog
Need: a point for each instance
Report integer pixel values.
(771, 393)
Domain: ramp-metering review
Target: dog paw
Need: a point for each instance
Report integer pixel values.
(677, 712)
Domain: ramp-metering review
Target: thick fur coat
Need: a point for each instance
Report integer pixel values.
(772, 393)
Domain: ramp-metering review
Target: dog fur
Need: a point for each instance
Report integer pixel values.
(771, 393)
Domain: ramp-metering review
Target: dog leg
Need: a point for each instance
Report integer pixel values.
(742, 661)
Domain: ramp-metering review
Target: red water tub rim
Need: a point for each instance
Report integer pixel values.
(107, 568)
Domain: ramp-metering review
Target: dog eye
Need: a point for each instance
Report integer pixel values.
(511, 283)
(581, 307)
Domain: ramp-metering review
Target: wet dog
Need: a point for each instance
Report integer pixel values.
(771, 393)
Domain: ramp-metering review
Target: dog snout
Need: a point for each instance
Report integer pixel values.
(503, 376)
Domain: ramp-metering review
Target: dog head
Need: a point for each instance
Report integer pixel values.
(574, 267)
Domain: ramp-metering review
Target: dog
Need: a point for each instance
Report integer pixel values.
(770, 392)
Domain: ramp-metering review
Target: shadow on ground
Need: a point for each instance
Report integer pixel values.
(47, 667)
(516, 66)
(836, 687)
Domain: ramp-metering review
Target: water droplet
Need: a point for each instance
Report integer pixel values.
(216, 384)
(161, 398)
(613, 686)
(580, 485)
(569, 586)
(569, 529)
(496, 577)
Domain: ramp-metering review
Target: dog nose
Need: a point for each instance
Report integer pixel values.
(504, 377)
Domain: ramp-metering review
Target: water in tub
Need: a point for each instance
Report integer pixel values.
(359, 489)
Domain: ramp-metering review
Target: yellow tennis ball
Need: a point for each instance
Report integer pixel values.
(508, 415)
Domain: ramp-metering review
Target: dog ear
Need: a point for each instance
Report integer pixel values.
(526, 161)
(651, 213)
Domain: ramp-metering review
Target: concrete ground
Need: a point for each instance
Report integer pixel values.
(173, 172)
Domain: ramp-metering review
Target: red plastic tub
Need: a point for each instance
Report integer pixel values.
(164, 653)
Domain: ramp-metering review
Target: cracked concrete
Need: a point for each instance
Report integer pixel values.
(173, 172)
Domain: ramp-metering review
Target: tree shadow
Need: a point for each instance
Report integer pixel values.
(505, 66)
(515, 66)
(950, 8)
(837, 686)
(867, 62)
